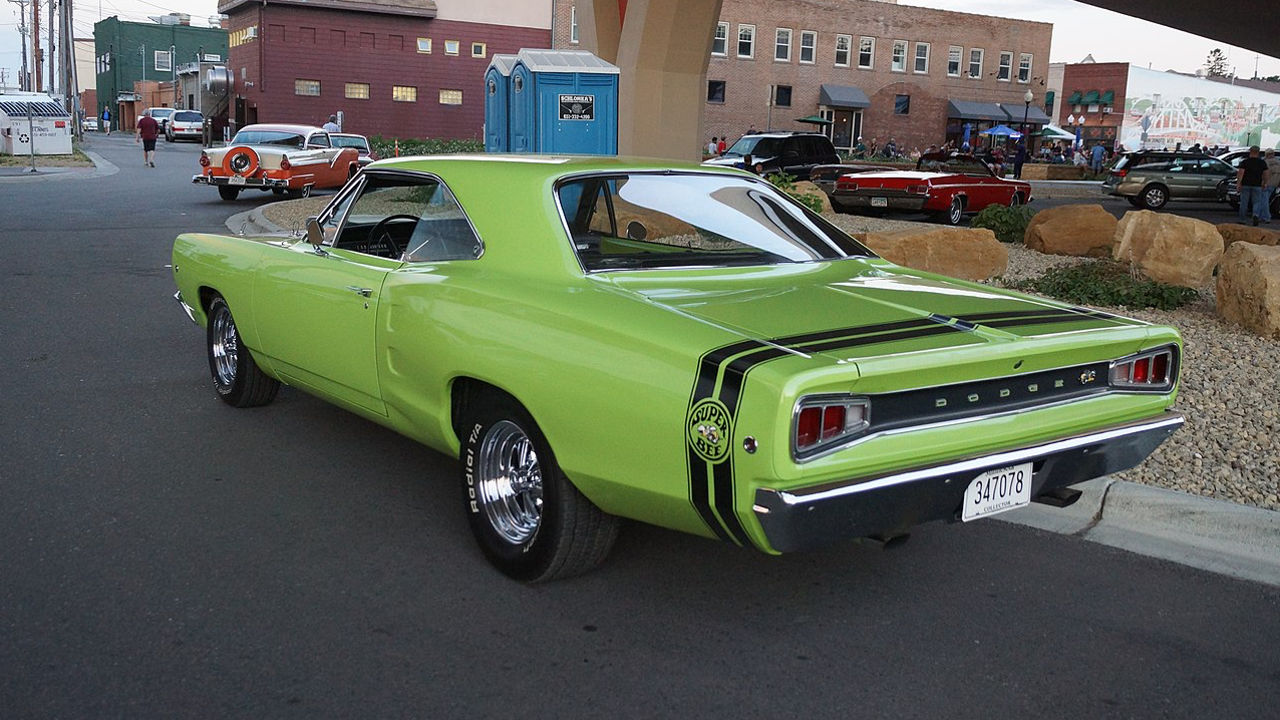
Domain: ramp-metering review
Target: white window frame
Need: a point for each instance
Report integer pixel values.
(915, 61)
(870, 44)
(722, 37)
(1004, 70)
(898, 60)
(847, 41)
(955, 54)
(781, 41)
(451, 47)
(982, 56)
(484, 49)
(424, 45)
(808, 42)
(1024, 68)
(573, 25)
(750, 40)
(168, 61)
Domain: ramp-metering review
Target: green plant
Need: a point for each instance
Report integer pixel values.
(787, 184)
(1108, 283)
(386, 147)
(1008, 223)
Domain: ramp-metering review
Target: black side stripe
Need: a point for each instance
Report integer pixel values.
(724, 489)
(699, 494)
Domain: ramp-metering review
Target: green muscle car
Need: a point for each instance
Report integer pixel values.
(605, 338)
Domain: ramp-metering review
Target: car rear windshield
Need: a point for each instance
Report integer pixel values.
(161, 112)
(672, 220)
(765, 147)
(269, 137)
(187, 116)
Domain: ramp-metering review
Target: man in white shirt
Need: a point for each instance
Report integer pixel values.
(332, 125)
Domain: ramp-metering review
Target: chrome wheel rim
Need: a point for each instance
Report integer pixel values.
(509, 483)
(1155, 197)
(956, 211)
(225, 348)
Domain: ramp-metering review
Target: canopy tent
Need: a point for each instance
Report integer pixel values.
(1002, 131)
(1055, 133)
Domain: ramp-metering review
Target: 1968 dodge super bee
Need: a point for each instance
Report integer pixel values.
(682, 345)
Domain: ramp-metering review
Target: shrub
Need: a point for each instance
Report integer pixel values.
(787, 184)
(386, 147)
(1008, 223)
(1109, 283)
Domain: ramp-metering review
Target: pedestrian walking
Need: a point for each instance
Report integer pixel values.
(711, 146)
(721, 145)
(1253, 177)
(1019, 158)
(332, 125)
(1096, 155)
(106, 119)
(146, 134)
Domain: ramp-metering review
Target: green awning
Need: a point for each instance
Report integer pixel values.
(1108, 97)
(1091, 98)
(1075, 98)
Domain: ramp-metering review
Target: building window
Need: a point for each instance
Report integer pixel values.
(478, 50)
(450, 47)
(306, 87)
(922, 58)
(843, 44)
(720, 45)
(953, 60)
(715, 91)
(1024, 68)
(808, 46)
(782, 95)
(901, 104)
(746, 41)
(975, 62)
(782, 45)
(898, 61)
(450, 97)
(404, 93)
(573, 24)
(1006, 67)
(357, 91)
(164, 61)
(867, 52)
(424, 45)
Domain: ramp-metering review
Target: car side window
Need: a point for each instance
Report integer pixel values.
(412, 219)
(319, 140)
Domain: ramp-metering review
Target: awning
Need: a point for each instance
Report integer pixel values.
(845, 96)
(37, 108)
(966, 110)
(1108, 97)
(1091, 98)
(1075, 98)
(1035, 115)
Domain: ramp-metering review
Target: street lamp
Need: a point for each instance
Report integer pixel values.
(1026, 98)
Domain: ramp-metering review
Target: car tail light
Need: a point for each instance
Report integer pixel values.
(1151, 370)
(844, 184)
(1119, 173)
(204, 159)
(823, 421)
(284, 163)
(917, 189)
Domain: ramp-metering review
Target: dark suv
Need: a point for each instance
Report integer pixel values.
(1151, 178)
(795, 153)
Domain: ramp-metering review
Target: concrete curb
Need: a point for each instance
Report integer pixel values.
(1214, 535)
(1048, 189)
(102, 167)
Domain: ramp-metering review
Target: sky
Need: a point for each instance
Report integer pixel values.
(1078, 30)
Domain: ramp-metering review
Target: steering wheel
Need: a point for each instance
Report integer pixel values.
(387, 239)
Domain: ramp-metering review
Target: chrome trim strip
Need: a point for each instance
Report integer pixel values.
(1000, 459)
(191, 315)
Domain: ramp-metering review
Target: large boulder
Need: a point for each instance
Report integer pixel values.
(1169, 248)
(1235, 232)
(1079, 230)
(1249, 288)
(804, 187)
(968, 253)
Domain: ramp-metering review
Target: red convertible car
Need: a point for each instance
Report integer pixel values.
(947, 186)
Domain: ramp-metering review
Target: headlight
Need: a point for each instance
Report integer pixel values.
(1155, 370)
(824, 421)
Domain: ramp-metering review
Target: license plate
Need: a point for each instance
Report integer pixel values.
(235, 180)
(996, 491)
(879, 202)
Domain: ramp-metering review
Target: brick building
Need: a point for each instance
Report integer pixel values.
(400, 68)
(1091, 93)
(873, 68)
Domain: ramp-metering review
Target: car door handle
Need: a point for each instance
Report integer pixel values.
(361, 291)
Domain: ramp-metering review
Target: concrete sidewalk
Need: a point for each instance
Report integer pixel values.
(1084, 189)
(101, 168)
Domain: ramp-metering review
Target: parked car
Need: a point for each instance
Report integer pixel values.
(1233, 197)
(287, 159)
(184, 125)
(680, 345)
(359, 142)
(89, 124)
(1150, 179)
(824, 176)
(161, 115)
(947, 185)
(794, 153)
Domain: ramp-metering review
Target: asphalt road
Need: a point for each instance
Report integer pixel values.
(165, 555)
(1212, 212)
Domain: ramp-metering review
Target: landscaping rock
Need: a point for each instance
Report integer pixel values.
(1235, 232)
(1248, 288)
(1077, 230)
(805, 187)
(1169, 248)
(968, 253)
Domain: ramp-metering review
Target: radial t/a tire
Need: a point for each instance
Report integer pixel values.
(531, 523)
(236, 377)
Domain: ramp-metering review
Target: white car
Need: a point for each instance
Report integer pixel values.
(184, 125)
(89, 124)
(161, 115)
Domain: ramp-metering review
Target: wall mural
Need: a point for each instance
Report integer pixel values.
(1164, 109)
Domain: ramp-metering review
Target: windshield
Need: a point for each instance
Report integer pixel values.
(349, 141)
(161, 112)
(628, 222)
(187, 116)
(268, 137)
(765, 147)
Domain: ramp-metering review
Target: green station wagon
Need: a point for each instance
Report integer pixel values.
(605, 338)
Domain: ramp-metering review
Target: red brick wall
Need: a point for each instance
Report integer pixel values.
(1098, 126)
(337, 47)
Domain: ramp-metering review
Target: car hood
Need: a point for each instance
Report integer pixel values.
(735, 160)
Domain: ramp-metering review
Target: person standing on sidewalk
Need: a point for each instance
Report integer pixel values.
(1252, 178)
(106, 119)
(148, 129)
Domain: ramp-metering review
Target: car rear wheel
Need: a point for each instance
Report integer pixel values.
(1155, 197)
(529, 520)
(954, 212)
(226, 192)
(1016, 200)
(237, 378)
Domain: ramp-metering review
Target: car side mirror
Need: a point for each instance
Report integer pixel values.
(315, 235)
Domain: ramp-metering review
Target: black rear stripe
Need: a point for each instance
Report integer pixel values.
(700, 494)
(723, 474)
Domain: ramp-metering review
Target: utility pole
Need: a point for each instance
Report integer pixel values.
(36, 57)
(22, 32)
(50, 51)
(70, 83)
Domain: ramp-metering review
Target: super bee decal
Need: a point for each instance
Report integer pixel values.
(722, 372)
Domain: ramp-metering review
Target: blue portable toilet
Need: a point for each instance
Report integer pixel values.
(497, 89)
(562, 101)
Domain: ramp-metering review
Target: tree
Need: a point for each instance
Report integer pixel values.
(1216, 64)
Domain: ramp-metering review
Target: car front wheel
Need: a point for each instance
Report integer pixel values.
(237, 378)
(529, 520)
(1155, 197)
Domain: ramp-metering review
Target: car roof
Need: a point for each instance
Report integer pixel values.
(783, 134)
(358, 135)
(283, 127)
